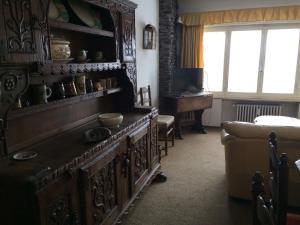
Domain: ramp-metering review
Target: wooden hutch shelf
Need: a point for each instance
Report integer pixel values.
(60, 103)
(57, 68)
(79, 28)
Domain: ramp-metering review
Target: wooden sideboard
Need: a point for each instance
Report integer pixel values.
(70, 182)
(78, 183)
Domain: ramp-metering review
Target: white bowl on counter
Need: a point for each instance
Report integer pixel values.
(110, 119)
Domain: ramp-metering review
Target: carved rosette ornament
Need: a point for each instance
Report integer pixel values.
(140, 157)
(13, 83)
(103, 192)
(17, 20)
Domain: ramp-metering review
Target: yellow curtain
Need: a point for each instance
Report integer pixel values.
(192, 45)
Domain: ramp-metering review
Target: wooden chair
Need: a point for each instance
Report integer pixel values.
(273, 210)
(166, 123)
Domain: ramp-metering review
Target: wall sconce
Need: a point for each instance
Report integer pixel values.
(149, 38)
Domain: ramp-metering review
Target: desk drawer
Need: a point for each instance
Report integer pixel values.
(194, 103)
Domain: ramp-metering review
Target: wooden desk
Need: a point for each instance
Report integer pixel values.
(177, 105)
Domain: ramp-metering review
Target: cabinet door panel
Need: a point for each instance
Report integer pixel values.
(101, 188)
(140, 158)
(59, 203)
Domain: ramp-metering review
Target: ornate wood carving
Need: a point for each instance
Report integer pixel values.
(131, 73)
(128, 37)
(12, 84)
(120, 5)
(78, 68)
(18, 26)
(116, 20)
(140, 157)
(42, 25)
(103, 192)
(60, 213)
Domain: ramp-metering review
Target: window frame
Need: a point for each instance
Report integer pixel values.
(258, 95)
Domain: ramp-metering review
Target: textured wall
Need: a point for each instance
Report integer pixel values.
(147, 60)
(212, 5)
(167, 44)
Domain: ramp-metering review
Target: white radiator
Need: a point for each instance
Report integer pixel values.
(248, 112)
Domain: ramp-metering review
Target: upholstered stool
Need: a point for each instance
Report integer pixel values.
(166, 123)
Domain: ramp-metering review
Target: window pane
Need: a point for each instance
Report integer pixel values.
(214, 47)
(244, 61)
(281, 61)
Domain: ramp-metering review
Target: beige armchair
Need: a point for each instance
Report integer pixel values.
(246, 152)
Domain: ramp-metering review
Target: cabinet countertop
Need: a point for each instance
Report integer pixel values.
(58, 154)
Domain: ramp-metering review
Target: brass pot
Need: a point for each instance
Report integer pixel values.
(60, 49)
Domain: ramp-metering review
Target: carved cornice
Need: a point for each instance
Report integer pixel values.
(70, 167)
(120, 5)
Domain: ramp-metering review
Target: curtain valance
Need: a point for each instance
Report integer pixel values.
(193, 29)
(242, 15)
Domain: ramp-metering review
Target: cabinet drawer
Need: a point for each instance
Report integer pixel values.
(190, 104)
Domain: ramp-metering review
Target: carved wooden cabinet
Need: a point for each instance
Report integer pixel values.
(24, 33)
(69, 181)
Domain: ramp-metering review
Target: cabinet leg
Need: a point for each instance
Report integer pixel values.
(160, 177)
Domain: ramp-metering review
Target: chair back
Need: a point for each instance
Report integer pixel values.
(145, 96)
(272, 210)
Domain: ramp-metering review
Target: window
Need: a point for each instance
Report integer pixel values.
(252, 60)
(214, 59)
(281, 61)
(244, 61)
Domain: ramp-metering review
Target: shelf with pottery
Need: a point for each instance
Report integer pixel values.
(78, 28)
(59, 103)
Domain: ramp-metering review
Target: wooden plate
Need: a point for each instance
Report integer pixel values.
(57, 11)
(86, 14)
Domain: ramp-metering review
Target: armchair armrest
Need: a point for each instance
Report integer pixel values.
(225, 137)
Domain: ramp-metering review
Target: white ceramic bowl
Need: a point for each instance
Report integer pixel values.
(110, 119)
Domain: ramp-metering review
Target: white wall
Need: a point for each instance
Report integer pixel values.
(147, 60)
(213, 5)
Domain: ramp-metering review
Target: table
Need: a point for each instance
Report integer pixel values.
(177, 105)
